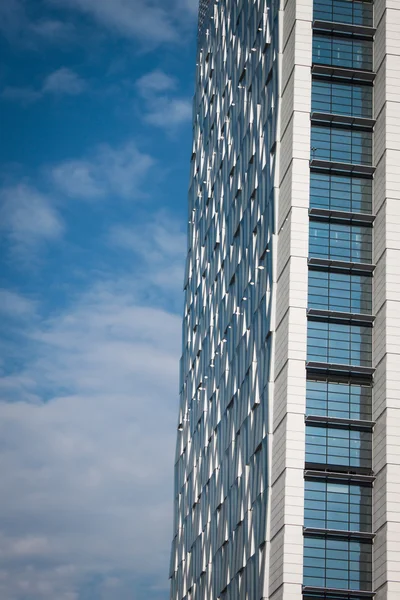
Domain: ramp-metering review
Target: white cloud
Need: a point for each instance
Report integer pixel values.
(63, 81)
(28, 219)
(17, 26)
(149, 21)
(169, 113)
(117, 172)
(13, 305)
(25, 95)
(160, 248)
(155, 82)
(87, 469)
(162, 110)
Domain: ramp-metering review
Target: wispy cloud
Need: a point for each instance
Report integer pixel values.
(148, 21)
(106, 172)
(17, 25)
(159, 247)
(28, 219)
(161, 106)
(63, 81)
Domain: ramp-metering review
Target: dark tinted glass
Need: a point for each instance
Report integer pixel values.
(344, 11)
(341, 145)
(340, 400)
(340, 506)
(341, 242)
(339, 343)
(336, 563)
(340, 292)
(342, 52)
(340, 448)
(349, 194)
(342, 98)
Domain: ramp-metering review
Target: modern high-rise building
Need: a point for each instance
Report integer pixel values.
(287, 475)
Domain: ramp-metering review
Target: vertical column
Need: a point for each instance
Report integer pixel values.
(386, 404)
(291, 242)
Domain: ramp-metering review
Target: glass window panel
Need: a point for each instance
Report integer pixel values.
(340, 292)
(333, 192)
(341, 145)
(345, 507)
(336, 447)
(343, 564)
(339, 400)
(342, 52)
(343, 242)
(344, 11)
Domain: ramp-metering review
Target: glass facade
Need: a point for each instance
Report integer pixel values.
(338, 144)
(344, 11)
(342, 98)
(338, 537)
(339, 343)
(337, 506)
(341, 52)
(337, 291)
(337, 241)
(337, 563)
(339, 400)
(338, 447)
(335, 192)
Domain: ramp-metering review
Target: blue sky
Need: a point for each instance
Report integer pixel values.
(95, 126)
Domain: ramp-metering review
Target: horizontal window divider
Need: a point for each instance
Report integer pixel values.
(341, 73)
(358, 478)
(337, 120)
(342, 266)
(361, 32)
(339, 168)
(316, 314)
(325, 469)
(333, 368)
(338, 533)
(338, 423)
(323, 593)
(341, 215)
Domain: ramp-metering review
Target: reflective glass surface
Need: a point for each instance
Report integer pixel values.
(337, 563)
(337, 447)
(340, 292)
(340, 506)
(339, 400)
(344, 11)
(333, 192)
(341, 145)
(338, 343)
(336, 241)
(342, 52)
(341, 98)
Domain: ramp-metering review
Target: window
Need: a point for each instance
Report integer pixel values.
(341, 145)
(339, 400)
(340, 292)
(333, 192)
(338, 447)
(342, 52)
(336, 241)
(344, 11)
(337, 343)
(336, 563)
(339, 506)
(342, 98)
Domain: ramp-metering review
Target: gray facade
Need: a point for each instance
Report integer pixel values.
(287, 466)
